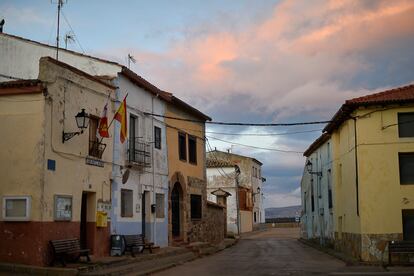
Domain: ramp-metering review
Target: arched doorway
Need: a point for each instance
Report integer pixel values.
(175, 210)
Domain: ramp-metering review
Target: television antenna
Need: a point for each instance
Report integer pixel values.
(60, 4)
(69, 38)
(131, 58)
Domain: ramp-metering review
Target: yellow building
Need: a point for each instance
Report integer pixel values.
(372, 165)
(187, 170)
(53, 185)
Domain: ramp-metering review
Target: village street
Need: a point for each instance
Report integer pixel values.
(273, 252)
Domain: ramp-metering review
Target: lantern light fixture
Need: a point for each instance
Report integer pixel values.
(82, 121)
(309, 169)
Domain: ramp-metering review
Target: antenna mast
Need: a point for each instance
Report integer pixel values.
(60, 4)
(130, 58)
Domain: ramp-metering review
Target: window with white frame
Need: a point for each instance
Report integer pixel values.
(16, 208)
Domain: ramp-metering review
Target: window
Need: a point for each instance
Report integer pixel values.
(195, 206)
(408, 225)
(126, 203)
(406, 162)
(254, 216)
(16, 208)
(159, 198)
(133, 127)
(63, 207)
(192, 149)
(329, 190)
(406, 124)
(157, 137)
(182, 148)
(93, 140)
(312, 198)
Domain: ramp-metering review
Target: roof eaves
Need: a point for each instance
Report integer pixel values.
(20, 87)
(317, 143)
(79, 72)
(189, 108)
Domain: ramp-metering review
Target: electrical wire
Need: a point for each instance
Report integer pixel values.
(212, 152)
(264, 134)
(237, 123)
(255, 147)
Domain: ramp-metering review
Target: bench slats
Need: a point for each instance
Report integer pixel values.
(65, 248)
(400, 247)
(135, 242)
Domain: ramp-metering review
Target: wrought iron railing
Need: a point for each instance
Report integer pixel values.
(139, 153)
(96, 149)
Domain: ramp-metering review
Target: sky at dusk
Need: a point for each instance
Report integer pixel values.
(244, 61)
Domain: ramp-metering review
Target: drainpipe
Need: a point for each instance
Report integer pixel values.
(153, 173)
(356, 165)
(237, 170)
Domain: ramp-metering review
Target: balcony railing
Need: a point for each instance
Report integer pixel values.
(139, 153)
(96, 149)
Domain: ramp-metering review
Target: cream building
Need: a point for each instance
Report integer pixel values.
(372, 139)
(52, 187)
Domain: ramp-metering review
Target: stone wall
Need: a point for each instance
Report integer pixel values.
(372, 248)
(210, 228)
(215, 223)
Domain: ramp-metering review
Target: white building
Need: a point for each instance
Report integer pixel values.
(222, 175)
(139, 180)
(249, 180)
(316, 191)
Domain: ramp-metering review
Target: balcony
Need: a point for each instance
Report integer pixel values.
(139, 153)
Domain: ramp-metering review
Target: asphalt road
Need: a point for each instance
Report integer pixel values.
(273, 252)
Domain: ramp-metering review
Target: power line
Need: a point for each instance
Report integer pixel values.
(264, 134)
(250, 146)
(236, 123)
(212, 152)
(253, 134)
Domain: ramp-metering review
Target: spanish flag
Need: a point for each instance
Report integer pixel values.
(121, 116)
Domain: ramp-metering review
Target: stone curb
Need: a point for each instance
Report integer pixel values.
(37, 270)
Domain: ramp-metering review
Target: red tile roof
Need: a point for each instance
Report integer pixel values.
(21, 87)
(399, 95)
(316, 144)
(396, 95)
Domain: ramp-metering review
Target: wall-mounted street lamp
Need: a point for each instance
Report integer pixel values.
(258, 191)
(309, 169)
(82, 121)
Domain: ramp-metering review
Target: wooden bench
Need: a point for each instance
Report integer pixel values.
(68, 248)
(400, 247)
(137, 243)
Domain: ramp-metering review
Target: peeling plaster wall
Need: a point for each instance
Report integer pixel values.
(217, 180)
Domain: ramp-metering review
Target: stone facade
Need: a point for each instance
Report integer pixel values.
(372, 248)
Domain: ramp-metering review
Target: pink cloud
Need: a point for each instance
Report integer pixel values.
(288, 62)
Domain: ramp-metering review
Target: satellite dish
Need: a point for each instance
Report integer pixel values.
(125, 176)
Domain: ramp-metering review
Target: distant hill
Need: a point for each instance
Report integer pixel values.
(283, 212)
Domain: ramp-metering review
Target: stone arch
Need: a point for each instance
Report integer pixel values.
(177, 209)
